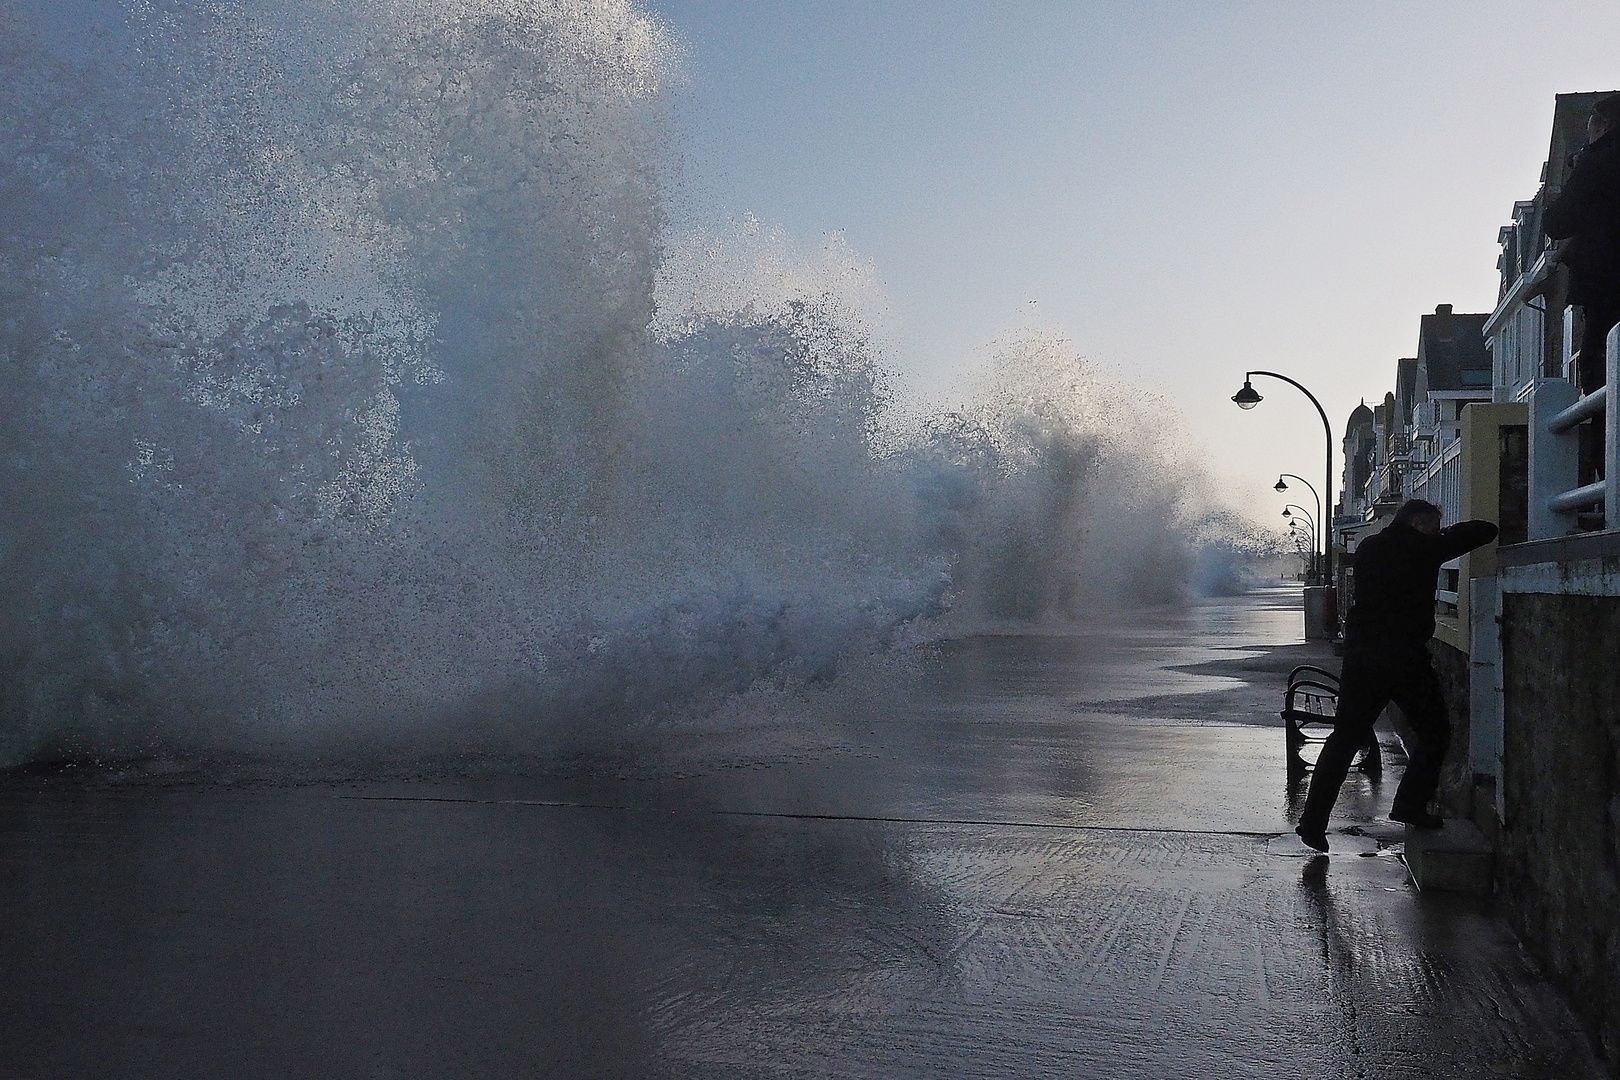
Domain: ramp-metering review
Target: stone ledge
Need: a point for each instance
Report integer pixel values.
(1455, 858)
(1575, 547)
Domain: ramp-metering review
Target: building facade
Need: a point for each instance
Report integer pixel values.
(1485, 423)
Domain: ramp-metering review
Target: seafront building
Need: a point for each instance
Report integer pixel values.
(1485, 423)
(1410, 446)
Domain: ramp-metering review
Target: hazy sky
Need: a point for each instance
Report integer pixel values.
(1186, 190)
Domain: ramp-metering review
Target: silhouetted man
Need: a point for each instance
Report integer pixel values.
(1386, 657)
(1587, 213)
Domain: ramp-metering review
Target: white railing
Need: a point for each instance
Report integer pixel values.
(1556, 411)
(1440, 480)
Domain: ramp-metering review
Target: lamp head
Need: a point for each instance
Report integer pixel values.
(1287, 512)
(1248, 397)
(1280, 485)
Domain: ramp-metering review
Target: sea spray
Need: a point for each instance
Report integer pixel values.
(348, 390)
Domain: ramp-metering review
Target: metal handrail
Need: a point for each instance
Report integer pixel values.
(1576, 498)
(1585, 409)
(1556, 410)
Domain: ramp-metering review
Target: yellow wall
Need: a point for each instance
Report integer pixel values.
(1481, 498)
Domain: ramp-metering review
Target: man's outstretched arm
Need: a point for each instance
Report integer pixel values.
(1463, 537)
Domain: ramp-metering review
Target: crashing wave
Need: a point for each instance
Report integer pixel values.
(350, 381)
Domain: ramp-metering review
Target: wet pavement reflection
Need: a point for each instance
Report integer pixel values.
(1050, 856)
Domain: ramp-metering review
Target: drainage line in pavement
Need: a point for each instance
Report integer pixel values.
(559, 805)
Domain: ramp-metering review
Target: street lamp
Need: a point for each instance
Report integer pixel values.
(1248, 398)
(1304, 513)
(1282, 487)
(1310, 523)
(1305, 544)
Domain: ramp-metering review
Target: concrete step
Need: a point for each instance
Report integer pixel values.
(1455, 858)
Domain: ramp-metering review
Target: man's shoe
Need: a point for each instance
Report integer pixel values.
(1418, 819)
(1313, 838)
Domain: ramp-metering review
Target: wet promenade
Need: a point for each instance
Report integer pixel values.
(1058, 856)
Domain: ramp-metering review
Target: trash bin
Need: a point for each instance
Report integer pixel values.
(1320, 613)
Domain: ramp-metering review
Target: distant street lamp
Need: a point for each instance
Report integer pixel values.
(1310, 524)
(1248, 398)
(1282, 487)
(1305, 544)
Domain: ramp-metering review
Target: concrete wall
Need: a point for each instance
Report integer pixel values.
(1558, 863)
(1457, 773)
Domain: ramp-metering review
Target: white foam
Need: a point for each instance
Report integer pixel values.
(346, 391)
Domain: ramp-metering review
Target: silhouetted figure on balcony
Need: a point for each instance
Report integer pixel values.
(1386, 657)
(1587, 213)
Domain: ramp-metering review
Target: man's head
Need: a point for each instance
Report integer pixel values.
(1420, 515)
(1604, 119)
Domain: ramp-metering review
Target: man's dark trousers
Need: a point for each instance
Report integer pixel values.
(1372, 678)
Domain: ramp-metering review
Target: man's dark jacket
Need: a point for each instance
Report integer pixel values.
(1397, 571)
(1588, 209)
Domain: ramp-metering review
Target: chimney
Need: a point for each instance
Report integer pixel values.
(1443, 313)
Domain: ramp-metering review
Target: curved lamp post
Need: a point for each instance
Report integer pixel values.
(1282, 487)
(1310, 523)
(1304, 514)
(1305, 544)
(1304, 541)
(1248, 398)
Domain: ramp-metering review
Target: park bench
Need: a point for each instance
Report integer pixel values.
(1310, 708)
